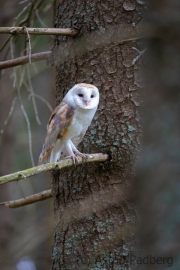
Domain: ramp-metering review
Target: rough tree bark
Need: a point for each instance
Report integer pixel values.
(158, 185)
(93, 217)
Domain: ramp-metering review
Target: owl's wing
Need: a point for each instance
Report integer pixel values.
(58, 125)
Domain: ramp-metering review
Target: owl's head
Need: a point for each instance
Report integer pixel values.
(84, 96)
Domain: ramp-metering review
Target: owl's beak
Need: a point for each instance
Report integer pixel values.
(86, 102)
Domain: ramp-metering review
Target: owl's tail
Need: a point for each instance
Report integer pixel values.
(45, 156)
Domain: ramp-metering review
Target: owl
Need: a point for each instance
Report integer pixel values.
(69, 122)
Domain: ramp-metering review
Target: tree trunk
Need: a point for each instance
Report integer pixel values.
(94, 217)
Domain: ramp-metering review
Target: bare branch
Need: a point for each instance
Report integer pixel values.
(24, 60)
(38, 31)
(28, 200)
(50, 167)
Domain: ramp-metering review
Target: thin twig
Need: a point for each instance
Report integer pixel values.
(29, 130)
(8, 117)
(46, 194)
(39, 5)
(5, 43)
(43, 99)
(140, 53)
(39, 18)
(50, 167)
(122, 41)
(33, 99)
(25, 20)
(46, 6)
(6, 53)
(30, 15)
(12, 56)
(22, 2)
(29, 43)
(24, 60)
(39, 31)
(24, 9)
(28, 126)
(18, 86)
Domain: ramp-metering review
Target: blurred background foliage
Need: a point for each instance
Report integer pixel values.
(26, 232)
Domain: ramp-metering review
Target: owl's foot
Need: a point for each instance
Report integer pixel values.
(84, 156)
(73, 152)
(75, 159)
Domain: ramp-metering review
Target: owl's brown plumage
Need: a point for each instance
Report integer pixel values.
(57, 127)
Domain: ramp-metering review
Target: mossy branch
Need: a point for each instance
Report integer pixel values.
(50, 167)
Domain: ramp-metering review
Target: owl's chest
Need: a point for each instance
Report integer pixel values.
(80, 123)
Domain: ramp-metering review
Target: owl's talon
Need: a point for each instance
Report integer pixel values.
(75, 160)
(84, 156)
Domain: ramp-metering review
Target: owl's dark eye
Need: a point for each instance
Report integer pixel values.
(80, 95)
(92, 96)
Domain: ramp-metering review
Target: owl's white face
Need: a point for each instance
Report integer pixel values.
(84, 96)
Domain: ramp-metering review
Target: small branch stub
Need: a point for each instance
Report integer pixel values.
(38, 31)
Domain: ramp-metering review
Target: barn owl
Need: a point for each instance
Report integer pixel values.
(68, 123)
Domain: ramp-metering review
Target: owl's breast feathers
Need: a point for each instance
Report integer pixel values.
(57, 128)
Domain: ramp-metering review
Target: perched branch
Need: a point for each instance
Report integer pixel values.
(38, 31)
(28, 200)
(50, 167)
(24, 60)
